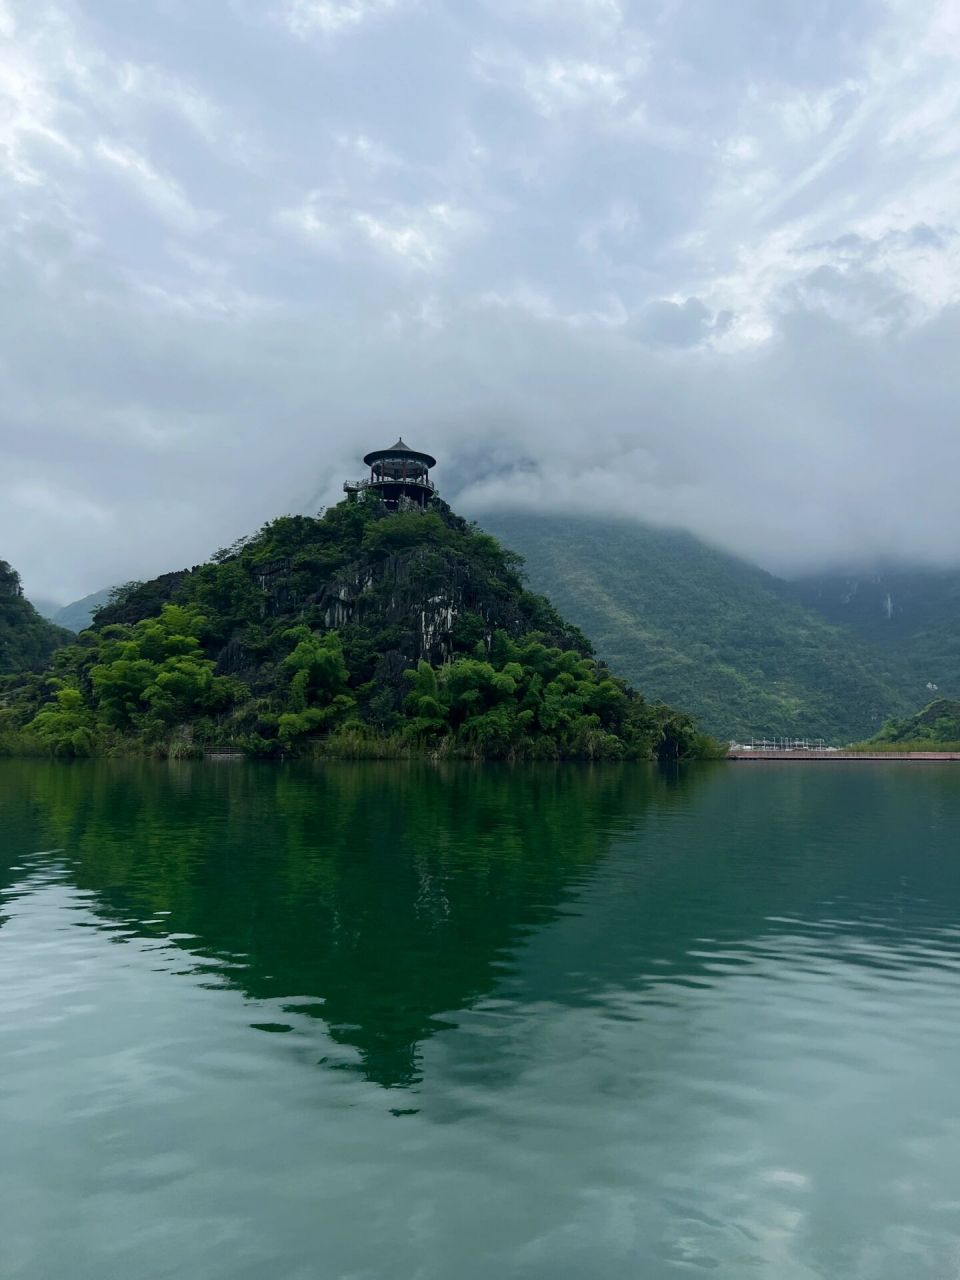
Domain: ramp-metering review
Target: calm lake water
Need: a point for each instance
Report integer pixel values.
(268, 1022)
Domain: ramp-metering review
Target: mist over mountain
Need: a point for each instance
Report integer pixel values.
(77, 615)
(695, 264)
(748, 653)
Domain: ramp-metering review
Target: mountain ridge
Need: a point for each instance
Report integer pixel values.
(690, 622)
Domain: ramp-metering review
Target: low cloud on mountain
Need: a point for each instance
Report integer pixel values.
(693, 265)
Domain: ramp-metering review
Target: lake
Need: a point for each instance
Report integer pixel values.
(444, 1023)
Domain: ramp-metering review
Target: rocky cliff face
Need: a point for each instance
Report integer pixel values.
(416, 603)
(436, 599)
(398, 588)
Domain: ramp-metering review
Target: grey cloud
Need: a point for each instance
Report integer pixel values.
(864, 248)
(679, 324)
(568, 310)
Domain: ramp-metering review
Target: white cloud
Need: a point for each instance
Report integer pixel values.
(154, 86)
(161, 192)
(8, 23)
(524, 298)
(422, 237)
(335, 17)
(714, 263)
(29, 113)
(372, 155)
(314, 223)
(590, 20)
(942, 36)
(556, 86)
(618, 226)
(873, 157)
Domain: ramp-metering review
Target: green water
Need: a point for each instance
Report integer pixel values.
(365, 1021)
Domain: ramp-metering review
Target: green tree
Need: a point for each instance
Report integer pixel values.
(317, 695)
(66, 725)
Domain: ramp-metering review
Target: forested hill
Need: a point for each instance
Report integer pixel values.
(910, 615)
(706, 631)
(935, 728)
(358, 632)
(27, 641)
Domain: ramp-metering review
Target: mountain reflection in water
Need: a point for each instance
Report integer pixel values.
(421, 1021)
(380, 898)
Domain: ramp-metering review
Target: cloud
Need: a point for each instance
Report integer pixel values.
(419, 237)
(161, 192)
(335, 17)
(558, 86)
(679, 324)
(593, 19)
(28, 109)
(638, 259)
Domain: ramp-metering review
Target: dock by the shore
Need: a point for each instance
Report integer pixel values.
(739, 754)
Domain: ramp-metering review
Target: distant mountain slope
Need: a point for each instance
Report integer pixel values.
(46, 608)
(26, 639)
(699, 628)
(911, 615)
(78, 615)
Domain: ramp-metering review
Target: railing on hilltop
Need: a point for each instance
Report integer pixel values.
(354, 486)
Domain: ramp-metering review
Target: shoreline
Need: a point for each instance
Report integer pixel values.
(821, 756)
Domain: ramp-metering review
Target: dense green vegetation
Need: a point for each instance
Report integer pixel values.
(703, 630)
(356, 633)
(910, 616)
(27, 641)
(747, 653)
(935, 728)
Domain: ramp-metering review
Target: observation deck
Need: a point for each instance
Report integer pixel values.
(399, 476)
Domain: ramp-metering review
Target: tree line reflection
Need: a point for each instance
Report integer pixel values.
(389, 895)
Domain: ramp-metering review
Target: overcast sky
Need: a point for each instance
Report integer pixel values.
(695, 261)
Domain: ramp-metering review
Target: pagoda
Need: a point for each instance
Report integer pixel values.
(399, 476)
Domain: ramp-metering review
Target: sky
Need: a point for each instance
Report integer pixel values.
(690, 263)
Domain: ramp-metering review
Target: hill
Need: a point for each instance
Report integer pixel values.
(357, 632)
(911, 616)
(78, 615)
(935, 728)
(27, 641)
(701, 629)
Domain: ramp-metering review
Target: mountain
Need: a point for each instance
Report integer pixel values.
(27, 640)
(78, 615)
(704, 630)
(911, 616)
(363, 631)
